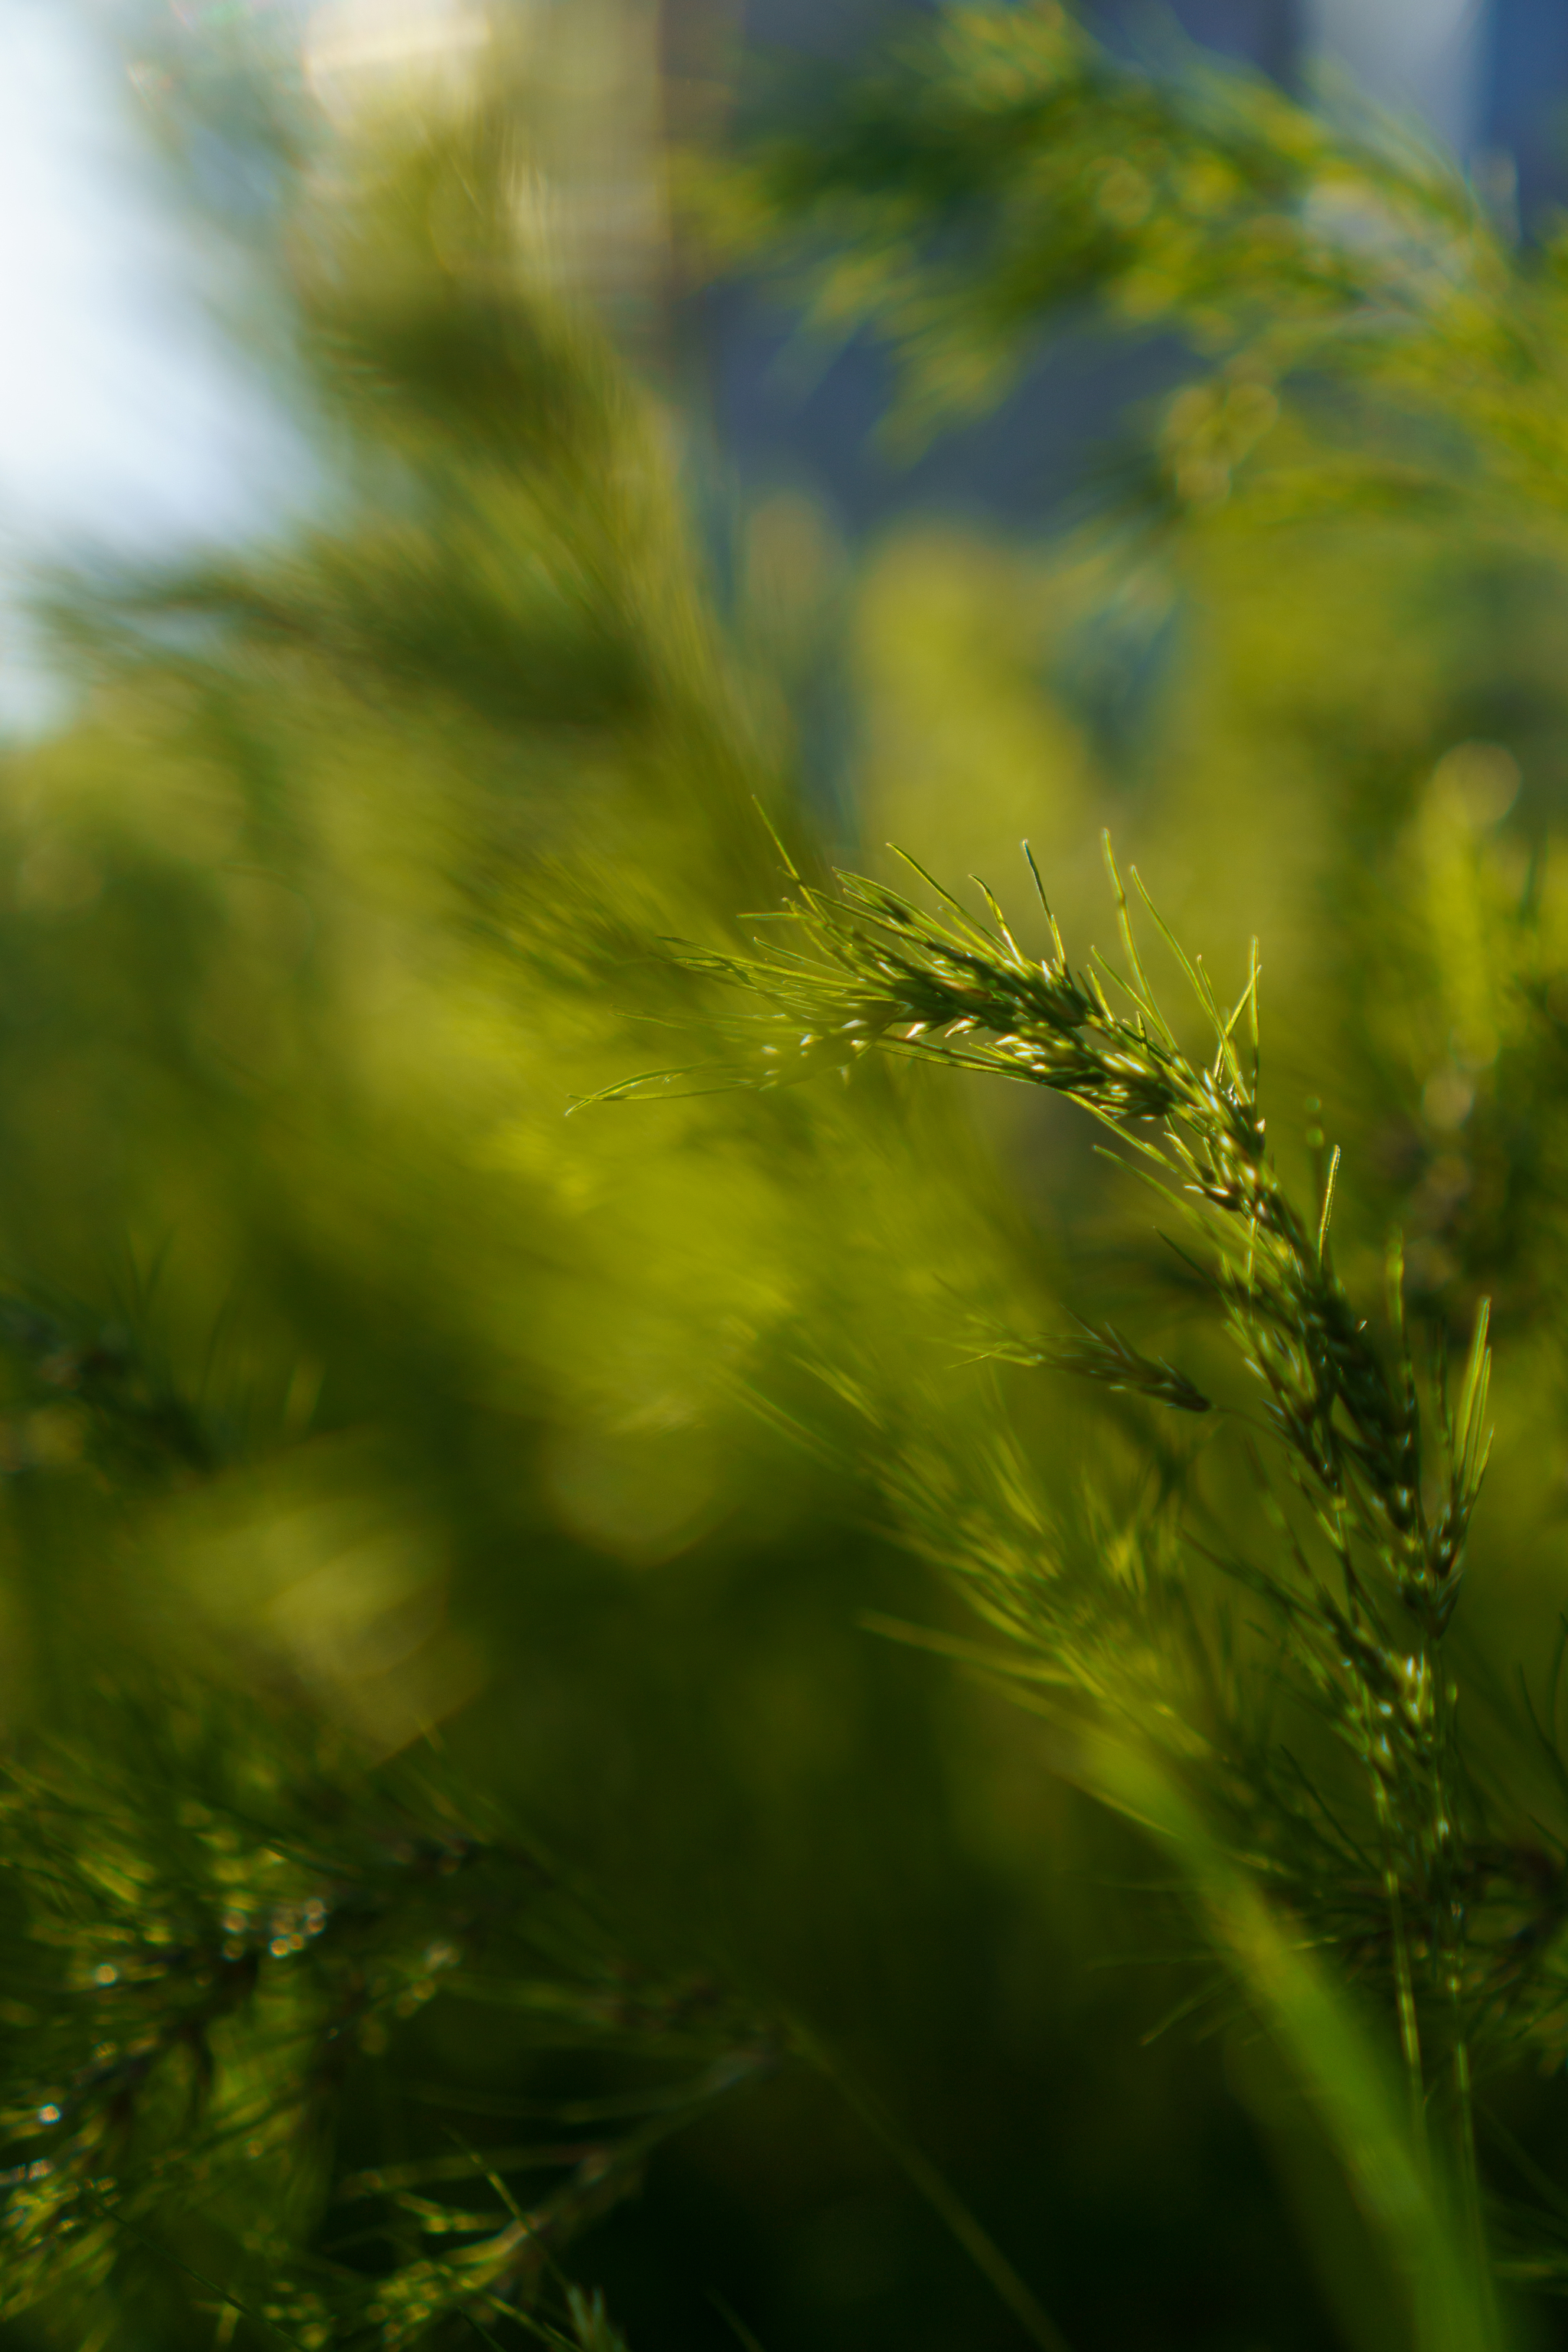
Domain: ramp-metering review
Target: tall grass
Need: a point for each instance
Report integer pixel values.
(502, 1824)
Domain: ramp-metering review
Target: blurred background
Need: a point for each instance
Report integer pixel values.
(132, 423)
(349, 707)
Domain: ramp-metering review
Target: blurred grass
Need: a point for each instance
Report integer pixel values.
(333, 901)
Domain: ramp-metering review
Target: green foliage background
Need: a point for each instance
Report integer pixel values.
(484, 1812)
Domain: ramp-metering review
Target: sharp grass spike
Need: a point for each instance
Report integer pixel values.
(1363, 1584)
